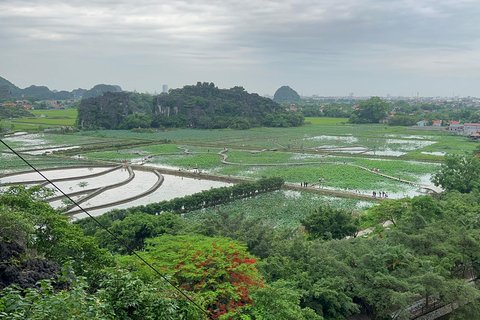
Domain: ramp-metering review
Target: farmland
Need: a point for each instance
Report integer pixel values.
(343, 156)
(279, 209)
(44, 119)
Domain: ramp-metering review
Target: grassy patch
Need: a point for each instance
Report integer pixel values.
(324, 121)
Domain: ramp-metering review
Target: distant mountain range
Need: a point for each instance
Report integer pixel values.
(10, 91)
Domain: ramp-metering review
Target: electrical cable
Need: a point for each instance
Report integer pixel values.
(109, 232)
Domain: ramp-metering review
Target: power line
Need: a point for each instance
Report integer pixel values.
(109, 232)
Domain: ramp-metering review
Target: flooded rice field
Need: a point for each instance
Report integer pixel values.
(125, 186)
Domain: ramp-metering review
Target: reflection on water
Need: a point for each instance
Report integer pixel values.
(386, 152)
(335, 138)
(434, 153)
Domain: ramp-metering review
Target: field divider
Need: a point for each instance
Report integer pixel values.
(152, 189)
(44, 183)
(131, 176)
(421, 185)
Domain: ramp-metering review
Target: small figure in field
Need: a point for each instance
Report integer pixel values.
(374, 194)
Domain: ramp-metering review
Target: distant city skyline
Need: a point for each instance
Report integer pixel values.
(327, 48)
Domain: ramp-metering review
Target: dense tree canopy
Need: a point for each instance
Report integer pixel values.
(327, 223)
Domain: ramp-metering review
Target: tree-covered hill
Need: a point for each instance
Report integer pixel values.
(206, 106)
(7, 89)
(114, 110)
(201, 106)
(285, 94)
(99, 89)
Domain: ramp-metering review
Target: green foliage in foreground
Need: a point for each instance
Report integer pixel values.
(327, 223)
(46, 303)
(39, 231)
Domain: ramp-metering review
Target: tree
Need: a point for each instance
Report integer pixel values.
(38, 231)
(279, 301)
(219, 272)
(134, 229)
(370, 111)
(402, 120)
(391, 210)
(459, 172)
(328, 223)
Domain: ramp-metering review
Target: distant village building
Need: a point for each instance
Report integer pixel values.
(422, 123)
(51, 103)
(455, 126)
(437, 123)
(470, 128)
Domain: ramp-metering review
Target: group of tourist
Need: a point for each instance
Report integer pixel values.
(381, 194)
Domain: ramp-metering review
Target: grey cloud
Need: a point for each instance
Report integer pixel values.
(228, 35)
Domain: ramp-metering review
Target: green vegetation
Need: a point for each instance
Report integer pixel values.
(37, 120)
(459, 173)
(370, 111)
(60, 114)
(326, 223)
(325, 121)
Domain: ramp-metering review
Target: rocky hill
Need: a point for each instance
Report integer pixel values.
(285, 94)
(202, 106)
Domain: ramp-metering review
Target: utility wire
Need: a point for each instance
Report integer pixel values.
(113, 235)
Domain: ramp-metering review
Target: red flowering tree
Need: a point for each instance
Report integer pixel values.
(218, 272)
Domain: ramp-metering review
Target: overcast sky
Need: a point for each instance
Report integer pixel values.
(324, 47)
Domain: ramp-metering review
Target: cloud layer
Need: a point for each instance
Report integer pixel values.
(328, 47)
